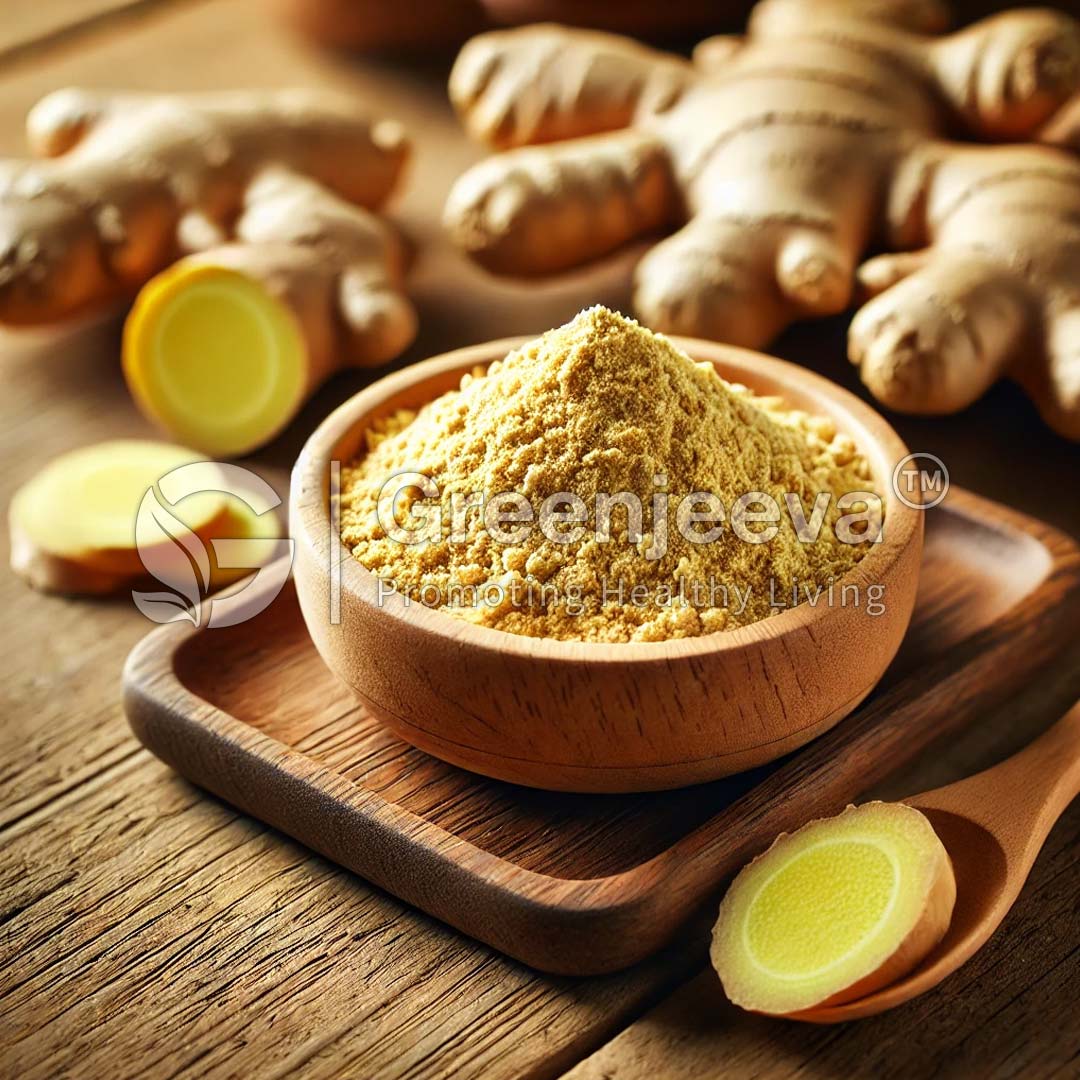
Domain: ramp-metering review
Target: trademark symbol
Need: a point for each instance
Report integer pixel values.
(920, 480)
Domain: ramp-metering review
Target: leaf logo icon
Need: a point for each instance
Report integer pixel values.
(175, 556)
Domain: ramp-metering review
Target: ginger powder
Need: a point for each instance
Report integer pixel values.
(597, 484)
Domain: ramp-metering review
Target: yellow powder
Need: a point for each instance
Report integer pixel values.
(600, 405)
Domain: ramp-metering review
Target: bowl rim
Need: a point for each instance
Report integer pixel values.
(310, 523)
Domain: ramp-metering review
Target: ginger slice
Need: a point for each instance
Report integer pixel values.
(74, 525)
(214, 358)
(222, 348)
(838, 909)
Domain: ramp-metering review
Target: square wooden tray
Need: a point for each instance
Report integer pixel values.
(582, 884)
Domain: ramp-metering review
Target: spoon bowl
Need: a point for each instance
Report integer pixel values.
(993, 826)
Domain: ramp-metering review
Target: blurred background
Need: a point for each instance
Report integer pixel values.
(65, 388)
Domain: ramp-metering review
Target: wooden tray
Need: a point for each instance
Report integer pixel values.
(582, 884)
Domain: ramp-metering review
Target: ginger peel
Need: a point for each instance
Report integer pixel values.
(269, 195)
(782, 156)
(596, 408)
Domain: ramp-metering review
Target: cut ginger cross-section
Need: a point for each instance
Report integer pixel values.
(215, 358)
(834, 911)
(76, 526)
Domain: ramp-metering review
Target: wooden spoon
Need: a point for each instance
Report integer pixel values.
(993, 825)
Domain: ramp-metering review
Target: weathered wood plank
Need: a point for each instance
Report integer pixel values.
(149, 930)
(1009, 1012)
(145, 928)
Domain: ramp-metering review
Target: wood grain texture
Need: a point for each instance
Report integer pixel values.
(1009, 1012)
(148, 931)
(441, 839)
(197, 974)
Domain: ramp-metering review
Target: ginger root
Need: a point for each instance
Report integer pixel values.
(284, 273)
(991, 288)
(76, 527)
(782, 157)
(832, 912)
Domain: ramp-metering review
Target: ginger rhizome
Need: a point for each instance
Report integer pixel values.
(76, 526)
(256, 205)
(602, 408)
(780, 158)
(834, 911)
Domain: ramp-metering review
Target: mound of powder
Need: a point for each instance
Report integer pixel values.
(601, 406)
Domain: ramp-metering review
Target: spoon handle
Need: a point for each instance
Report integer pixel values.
(1020, 799)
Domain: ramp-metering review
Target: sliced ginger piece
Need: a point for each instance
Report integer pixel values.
(78, 515)
(74, 525)
(838, 909)
(214, 358)
(223, 347)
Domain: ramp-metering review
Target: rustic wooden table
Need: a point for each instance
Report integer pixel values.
(148, 930)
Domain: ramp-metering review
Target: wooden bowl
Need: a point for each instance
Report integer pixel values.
(577, 716)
